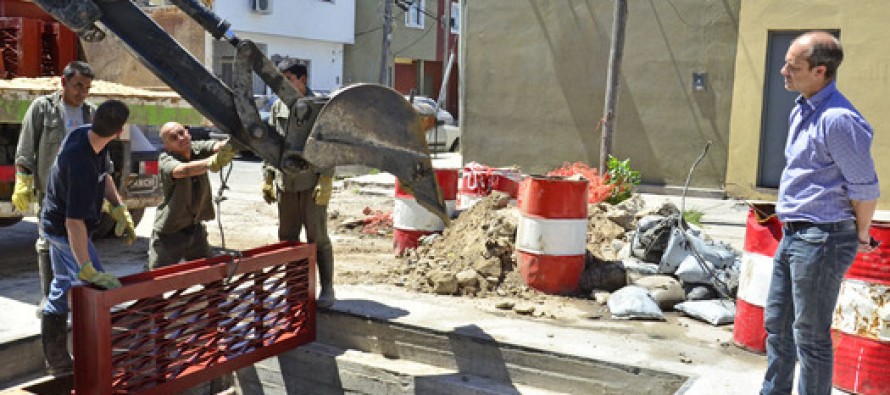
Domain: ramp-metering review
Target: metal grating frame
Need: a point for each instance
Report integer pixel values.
(173, 328)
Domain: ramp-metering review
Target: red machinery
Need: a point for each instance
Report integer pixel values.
(32, 43)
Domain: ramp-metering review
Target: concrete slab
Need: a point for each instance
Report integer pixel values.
(702, 353)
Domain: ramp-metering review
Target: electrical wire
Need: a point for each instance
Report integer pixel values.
(721, 286)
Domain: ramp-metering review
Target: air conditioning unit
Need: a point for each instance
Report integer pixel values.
(261, 6)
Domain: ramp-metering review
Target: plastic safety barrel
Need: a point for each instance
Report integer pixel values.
(763, 232)
(861, 325)
(411, 220)
(551, 236)
(506, 180)
(474, 185)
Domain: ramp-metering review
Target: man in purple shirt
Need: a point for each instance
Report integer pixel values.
(827, 197)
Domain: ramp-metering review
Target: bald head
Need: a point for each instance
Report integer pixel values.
(176, 138)
(821, 49)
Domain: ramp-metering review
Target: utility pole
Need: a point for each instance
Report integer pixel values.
(615, 53)
(387, 37)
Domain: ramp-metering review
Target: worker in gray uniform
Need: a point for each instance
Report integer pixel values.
(302, 197)
(47, 121)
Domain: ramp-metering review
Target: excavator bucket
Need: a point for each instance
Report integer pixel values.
(375, 126)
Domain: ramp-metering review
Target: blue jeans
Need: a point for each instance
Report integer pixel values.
(809, 266)
(65, 270)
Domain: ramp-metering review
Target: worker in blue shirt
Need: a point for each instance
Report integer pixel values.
(827, 197)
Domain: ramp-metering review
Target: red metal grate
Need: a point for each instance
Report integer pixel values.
(173, 328)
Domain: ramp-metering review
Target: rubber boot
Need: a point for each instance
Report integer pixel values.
(325, 259)
(44, 270)
(54, 333)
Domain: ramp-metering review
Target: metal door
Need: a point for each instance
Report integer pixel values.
(777, 105)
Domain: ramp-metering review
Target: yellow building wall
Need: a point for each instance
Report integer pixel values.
(864, 77)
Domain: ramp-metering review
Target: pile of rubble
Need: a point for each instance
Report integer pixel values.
(639, 261)
(473, 256)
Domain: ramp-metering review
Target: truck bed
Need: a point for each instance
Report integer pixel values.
(146, 107)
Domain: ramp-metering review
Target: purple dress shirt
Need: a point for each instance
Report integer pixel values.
(828, 160)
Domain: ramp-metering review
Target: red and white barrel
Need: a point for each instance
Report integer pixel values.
(763, 232)
(861, 325)
(551, 238)
(506, 180)
(474, 185)
(411, 220)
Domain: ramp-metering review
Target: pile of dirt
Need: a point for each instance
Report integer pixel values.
(474, 255)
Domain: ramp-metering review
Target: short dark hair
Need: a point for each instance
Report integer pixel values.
(110, 118)
(825, 51)
(78, 67)
(293, 66)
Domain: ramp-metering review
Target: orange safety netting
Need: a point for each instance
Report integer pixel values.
(376, 221)
(599, 190)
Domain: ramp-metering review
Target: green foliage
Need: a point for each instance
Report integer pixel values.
(693, 216)
(623, 179)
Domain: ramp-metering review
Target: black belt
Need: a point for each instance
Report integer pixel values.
(795, 226)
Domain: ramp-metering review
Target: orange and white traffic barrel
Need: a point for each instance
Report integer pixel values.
(411, 220)
(506, 179)
(763, 232)
(474, 185)
(551, 238)
(861, 325)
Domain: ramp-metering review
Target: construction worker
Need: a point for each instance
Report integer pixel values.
(302, 197)
(179, 232)
(48, 120)
(78, 181)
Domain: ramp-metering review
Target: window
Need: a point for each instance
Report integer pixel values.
(455, 18)
(414, 15)
(224, 65)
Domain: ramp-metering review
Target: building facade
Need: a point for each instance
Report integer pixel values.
(533, 81)
(421, 40)
(314, 31)
(760, 104)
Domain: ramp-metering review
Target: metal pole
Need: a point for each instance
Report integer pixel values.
(387, 36)
(615, 53)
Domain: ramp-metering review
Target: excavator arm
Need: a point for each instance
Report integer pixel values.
(362, 124)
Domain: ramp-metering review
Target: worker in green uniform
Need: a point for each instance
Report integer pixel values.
(179, 232)
(46, 123)
(303, 196)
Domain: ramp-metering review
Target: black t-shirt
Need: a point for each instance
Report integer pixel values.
(76, 185)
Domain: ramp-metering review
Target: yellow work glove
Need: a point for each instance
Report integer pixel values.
(269, 189)
(23, 192)
(323, 190)
(102, 280)
(221, 158)
(124, 223)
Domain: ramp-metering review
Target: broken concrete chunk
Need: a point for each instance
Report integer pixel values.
(666, 290)
(524, 309)
(467, 278)
(601, 297)
(443, 282)
(488, 267)
(505, 305)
